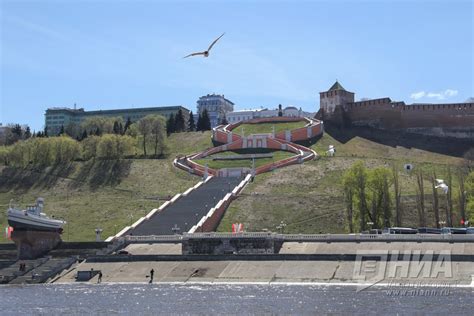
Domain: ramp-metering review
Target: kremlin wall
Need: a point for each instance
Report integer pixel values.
(337, 107)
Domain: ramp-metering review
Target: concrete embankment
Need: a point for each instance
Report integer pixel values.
(430, 263)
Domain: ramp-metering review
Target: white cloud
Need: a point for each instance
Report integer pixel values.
(434, 95)
(417, 95)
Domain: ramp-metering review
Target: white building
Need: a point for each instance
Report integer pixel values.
(217, 107)
(245, 115)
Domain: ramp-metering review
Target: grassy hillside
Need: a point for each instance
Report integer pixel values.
(309, 197)
(241, 163)
(106, 194)
(262, 128)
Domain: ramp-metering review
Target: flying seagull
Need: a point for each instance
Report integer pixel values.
(206, 52)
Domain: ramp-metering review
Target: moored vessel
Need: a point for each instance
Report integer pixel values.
(32, 218)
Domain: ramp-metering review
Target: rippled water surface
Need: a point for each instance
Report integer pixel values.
(145, 299)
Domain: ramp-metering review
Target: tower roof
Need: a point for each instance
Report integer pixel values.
(336, 86)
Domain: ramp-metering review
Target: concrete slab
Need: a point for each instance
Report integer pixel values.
(184, 271)
(154, 249)
(303, 271)
(208, 271)
(250, 271)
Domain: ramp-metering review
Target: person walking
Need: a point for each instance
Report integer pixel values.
(99, 280)
(152, 272)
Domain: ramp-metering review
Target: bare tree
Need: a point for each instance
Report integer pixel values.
(462, 194)
(144, 127)
(449, 199)
(158, 132)
(349, 194)
(420, 198)
(397, 189)
(435, 199)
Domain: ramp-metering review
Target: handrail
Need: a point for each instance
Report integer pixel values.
(310, 237)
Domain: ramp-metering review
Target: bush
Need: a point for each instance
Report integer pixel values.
(115, 146)
(42, 151)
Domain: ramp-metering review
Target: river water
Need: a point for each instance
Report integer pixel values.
(146, 299)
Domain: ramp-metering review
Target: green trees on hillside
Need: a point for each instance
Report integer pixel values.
(112, 146)
(191, 123)
(371, 195)
(102, 138)
(153, 129)
(203, 122)
(41, 151)
(469, 195)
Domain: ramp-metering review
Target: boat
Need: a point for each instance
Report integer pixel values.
(32, 218)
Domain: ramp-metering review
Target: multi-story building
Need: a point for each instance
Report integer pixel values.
(217, 107)
(57, 117)
(245, 115)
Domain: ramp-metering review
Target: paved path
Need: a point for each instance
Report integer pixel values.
(187, 210)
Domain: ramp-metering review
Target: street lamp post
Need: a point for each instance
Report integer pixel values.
(175, 229)
(281, 227)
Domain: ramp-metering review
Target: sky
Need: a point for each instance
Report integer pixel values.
(117, 54)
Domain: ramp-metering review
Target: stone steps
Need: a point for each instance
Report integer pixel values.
(43, 272)
(182, 213)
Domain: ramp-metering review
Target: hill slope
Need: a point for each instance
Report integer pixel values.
(309, 197)
(106, 194)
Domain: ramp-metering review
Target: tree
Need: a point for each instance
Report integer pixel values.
(4, 155)
(420, 198)
(469, 184)
(104, 124)
(179, 123)
(449, 199)
(84, 135)
(170, 124)
(355, 180)
(398, 193)
(27, 132)
(158, 131)
(349, 199)
(127, 125)
(206, 121)
(144, 127)
(111, 146)
(61, 131)
(199, 123)
(462, 194)
(224, 120)
(435, 199)
(89, 147)
(380, 198)
(191, 123)
(16, 130)
(73, 130)
(116, 128)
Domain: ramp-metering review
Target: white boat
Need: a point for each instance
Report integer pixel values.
(33, 218)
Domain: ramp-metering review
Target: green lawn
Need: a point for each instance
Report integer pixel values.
(263, 128)
(106, 194)
(218, 164)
